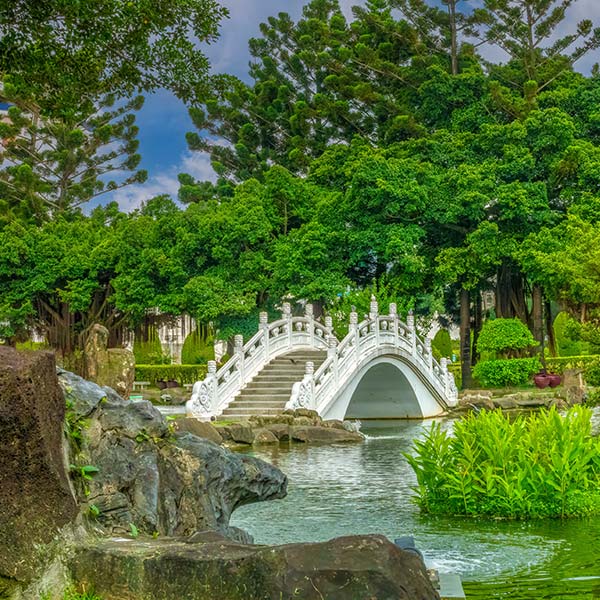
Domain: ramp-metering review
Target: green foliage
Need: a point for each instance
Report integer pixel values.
(150, 352)
(592, 372)
(566, 344)
(505, 338)
(82, 474)
(442, 344)
(535, 466)
(197, 349)
(180, 373)
(74, 425)
(560, 364)
(507, 372)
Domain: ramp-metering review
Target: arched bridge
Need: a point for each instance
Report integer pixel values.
(381, 369)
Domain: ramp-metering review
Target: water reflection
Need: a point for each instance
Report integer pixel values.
(366, 488)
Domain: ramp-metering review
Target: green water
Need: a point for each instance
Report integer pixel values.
(366, 488)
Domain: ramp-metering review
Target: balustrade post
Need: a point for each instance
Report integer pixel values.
(309, 383)
(428, 354)
(410, 321)
(211, 379)
(373, 317)
(332, 354)
(445, 374)
(394, 316)
(353, 328)
(286, 314)
(310, 328)
(238, 348)
(263, 325)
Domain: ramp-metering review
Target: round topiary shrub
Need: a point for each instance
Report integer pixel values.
(505, 338)
(506, 372)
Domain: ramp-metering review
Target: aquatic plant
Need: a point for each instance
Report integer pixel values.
(534, 466)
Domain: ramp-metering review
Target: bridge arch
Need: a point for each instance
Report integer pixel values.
(384, 387)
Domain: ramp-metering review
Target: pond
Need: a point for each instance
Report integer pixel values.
(366, 488)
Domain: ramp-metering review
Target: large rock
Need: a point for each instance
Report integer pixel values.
(159, 480)
(324, 435)
(200, 428)
(36, 499)
(113, 367)
(356, 567)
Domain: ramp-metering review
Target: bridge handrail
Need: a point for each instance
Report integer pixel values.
(317, 389)
(213, 394)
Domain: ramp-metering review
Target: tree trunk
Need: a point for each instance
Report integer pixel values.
(550, 328)
(510, 294)
(465, 338)
(537, 315)
(477, 324)
(454, 36)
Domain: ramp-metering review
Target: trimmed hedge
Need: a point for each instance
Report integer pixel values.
(560, 363)
(506, 372)
(181, 373)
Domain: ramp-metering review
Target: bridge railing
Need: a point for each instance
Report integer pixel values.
(375, 333)
(213, 394)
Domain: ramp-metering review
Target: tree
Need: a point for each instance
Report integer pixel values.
(53, 166)
(59, 54)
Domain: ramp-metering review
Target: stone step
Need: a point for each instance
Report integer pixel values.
(255, 404)
(266, 390)
(268, 397)
(248, 412)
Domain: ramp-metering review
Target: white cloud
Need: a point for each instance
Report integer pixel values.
(196, 164)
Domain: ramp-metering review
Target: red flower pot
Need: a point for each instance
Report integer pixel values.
(554, 380)
(541, 381)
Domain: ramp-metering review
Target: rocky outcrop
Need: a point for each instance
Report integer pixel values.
(36, 499)
(153, 479)
(114, 367)
(365, 567)
(302, 425)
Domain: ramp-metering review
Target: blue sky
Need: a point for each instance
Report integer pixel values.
(164, 120)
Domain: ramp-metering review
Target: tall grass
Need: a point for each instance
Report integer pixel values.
(539, 465)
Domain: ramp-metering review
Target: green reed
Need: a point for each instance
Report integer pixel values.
(539, 465)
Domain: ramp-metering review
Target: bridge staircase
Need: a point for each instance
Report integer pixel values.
(269, 391)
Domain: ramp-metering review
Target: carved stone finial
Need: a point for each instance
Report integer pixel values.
(212, 367)
(263, 317)
(328, 322)
(286, 310)
(374, 307)
(238, 341)
(309, 368)
(393, 309)
(444, 363)
(410, 319)
(353, 317)
(308, 310)
(332, 341)
(428, 344)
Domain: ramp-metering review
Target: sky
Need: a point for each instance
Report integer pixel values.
(164, 120)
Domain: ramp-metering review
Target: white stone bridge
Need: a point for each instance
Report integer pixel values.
(381, 370)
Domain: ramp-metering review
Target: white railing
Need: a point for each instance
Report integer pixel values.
(211, 396)
(376, 335)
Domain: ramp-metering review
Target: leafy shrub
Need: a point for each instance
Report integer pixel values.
(506, 372)
(568, 343)
(560, 363)
(181, 373)
(442, 344)
(197, 350)
(506, 338)
(540, 465)
(592, 372)
(150, 352)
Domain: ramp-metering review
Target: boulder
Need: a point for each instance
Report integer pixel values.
(202, 429)
(361, 567)
(36, 499)
(306, 412)
(506, 402)
(113, 367)
(280, 430)
(165, 483)
(241, 433)
(334, 424)
(264, 436)
(324, 435)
